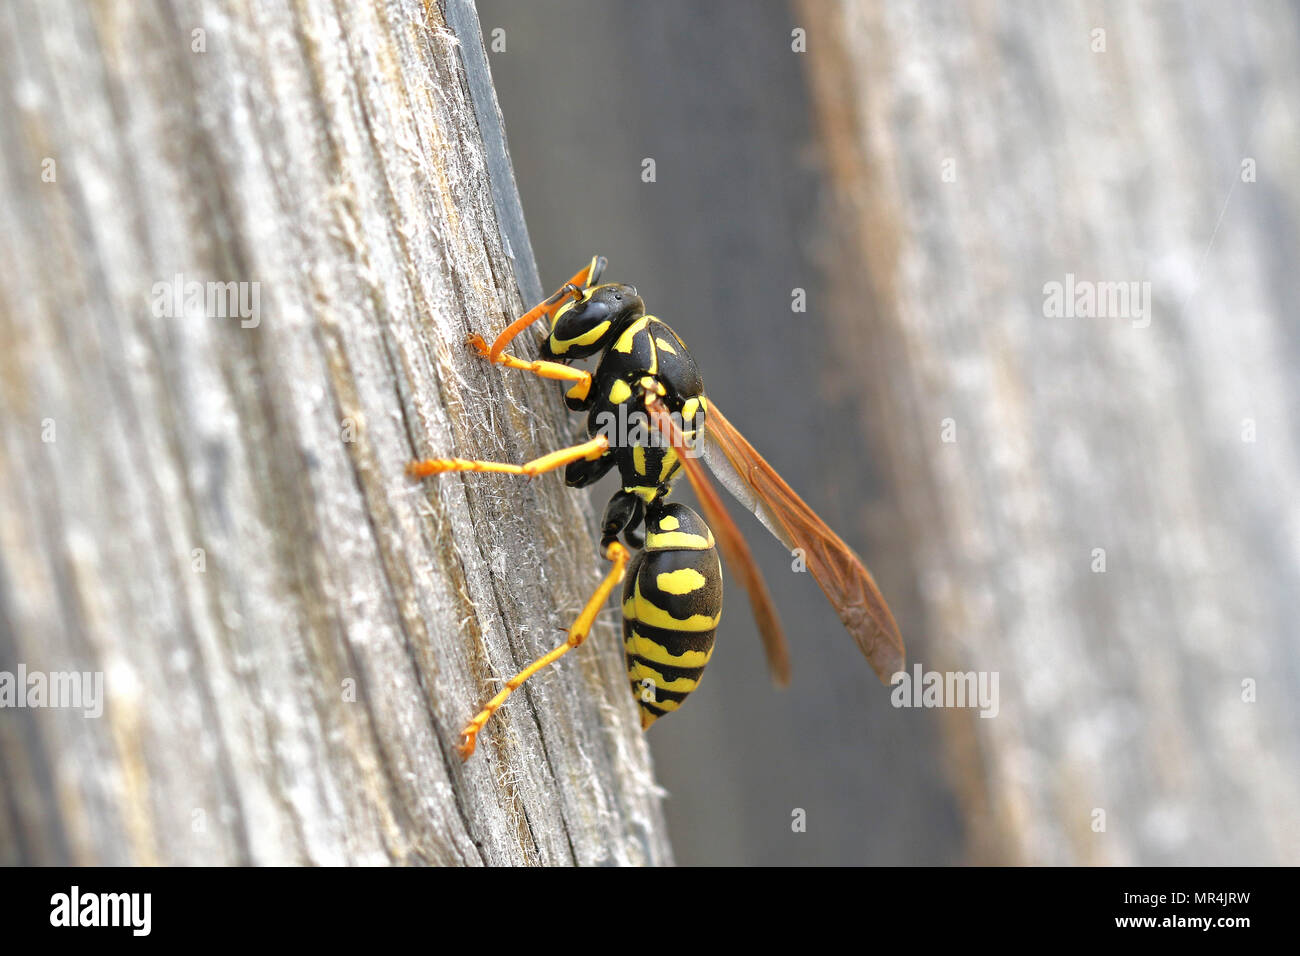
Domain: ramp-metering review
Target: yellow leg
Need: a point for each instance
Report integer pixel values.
(590, 450)
(541, 368)
(577, 634)
(582, 279)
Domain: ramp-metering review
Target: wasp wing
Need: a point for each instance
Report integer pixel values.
(732, 542)
(842, 575)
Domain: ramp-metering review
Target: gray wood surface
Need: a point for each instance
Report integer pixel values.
(291, 693)
(1171, 441)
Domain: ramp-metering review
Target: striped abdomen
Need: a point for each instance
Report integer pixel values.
(672, 601)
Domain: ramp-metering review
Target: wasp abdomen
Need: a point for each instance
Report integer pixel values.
(672, 602)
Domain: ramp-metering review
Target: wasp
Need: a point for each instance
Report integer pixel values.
(668, 562)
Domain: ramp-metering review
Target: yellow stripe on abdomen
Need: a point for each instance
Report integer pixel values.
(681, 581)
(680, 540)
(682, 685)
(658, 654)
(649, 613)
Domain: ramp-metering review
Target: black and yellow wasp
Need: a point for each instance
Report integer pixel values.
(647, 386)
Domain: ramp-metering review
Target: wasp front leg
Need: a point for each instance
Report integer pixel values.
(614, 552)
(573, 289)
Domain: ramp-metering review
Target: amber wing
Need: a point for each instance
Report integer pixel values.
(733, 545)
(842, 575)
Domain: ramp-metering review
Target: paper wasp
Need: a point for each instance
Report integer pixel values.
(671, 576)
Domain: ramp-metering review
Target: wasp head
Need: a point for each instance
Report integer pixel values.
(587, 326)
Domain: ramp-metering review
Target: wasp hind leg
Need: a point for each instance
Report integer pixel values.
(614, 552)
(589, 450)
